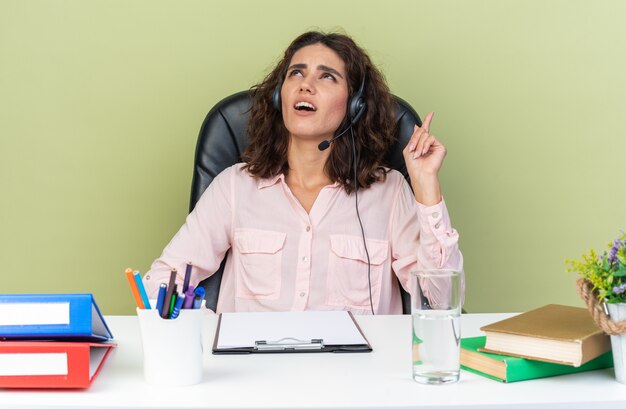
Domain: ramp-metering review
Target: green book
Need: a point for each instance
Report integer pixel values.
(505, 368)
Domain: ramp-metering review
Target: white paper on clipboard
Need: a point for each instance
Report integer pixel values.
(246, 330)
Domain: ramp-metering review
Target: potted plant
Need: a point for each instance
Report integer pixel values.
(603, 288)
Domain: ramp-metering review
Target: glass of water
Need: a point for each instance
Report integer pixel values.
(436, 316)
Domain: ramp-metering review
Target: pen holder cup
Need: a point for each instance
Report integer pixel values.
(172, 348)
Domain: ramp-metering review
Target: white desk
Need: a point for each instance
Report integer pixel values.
(361, 380)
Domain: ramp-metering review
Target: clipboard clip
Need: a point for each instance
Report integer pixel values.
(285, 344)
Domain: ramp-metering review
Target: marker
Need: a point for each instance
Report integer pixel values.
(161, 298)
(197, 300)
(179, 304)
(142, 290)
(187, 277)
(189, 296)
(133, 288)
(171, 308)
(168, 296)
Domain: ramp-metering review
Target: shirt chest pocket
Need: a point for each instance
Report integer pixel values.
(348, 283)
(258, 263)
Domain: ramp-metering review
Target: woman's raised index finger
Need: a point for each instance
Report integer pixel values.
(427, 120)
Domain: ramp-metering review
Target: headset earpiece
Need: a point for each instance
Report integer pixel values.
(357, 105)
(276, 97)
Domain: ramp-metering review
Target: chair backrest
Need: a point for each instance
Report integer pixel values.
(223, 139)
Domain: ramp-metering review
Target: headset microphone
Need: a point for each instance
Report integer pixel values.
(326, 144)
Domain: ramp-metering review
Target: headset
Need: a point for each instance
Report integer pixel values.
(356, 109)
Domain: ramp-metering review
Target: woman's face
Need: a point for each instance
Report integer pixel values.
(314, 93)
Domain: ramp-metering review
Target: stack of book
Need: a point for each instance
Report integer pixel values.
(51, 340)
(548, 341)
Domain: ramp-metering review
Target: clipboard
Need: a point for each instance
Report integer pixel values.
(288, 332)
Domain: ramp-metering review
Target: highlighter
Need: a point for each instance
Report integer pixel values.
(161, 298)
(199, 296)
(189, 296)
(178, 305)
(172, 304)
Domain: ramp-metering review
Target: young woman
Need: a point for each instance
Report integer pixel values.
(288, 217)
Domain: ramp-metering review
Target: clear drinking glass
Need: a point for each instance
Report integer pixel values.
(436, 316)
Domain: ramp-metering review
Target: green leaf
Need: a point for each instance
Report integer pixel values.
(621, 271)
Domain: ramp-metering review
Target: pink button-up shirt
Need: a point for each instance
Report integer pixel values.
(281, 258)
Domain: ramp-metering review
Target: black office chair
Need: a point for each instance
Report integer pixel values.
(223, 138)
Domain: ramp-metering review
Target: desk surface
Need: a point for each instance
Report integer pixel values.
(361, 380)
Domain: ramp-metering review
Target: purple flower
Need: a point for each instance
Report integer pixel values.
(617, 244)
(619, 289)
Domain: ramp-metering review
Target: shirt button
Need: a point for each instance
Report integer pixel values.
(308, 228)
(435, 215)
(437, 226)
(302, 294)
(147, 277)
(305, 259)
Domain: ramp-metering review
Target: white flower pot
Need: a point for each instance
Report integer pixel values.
(617, 312)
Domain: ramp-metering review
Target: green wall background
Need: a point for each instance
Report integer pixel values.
(101, 103)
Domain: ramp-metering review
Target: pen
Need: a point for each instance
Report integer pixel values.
(189, 296)
(173, 302)
(133, 288)
(197, 301)
(168, 296)
(142, 290)
(179, 303)
(187, 277)
(161, 298)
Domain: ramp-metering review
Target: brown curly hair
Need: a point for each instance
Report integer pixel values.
(266, 155)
